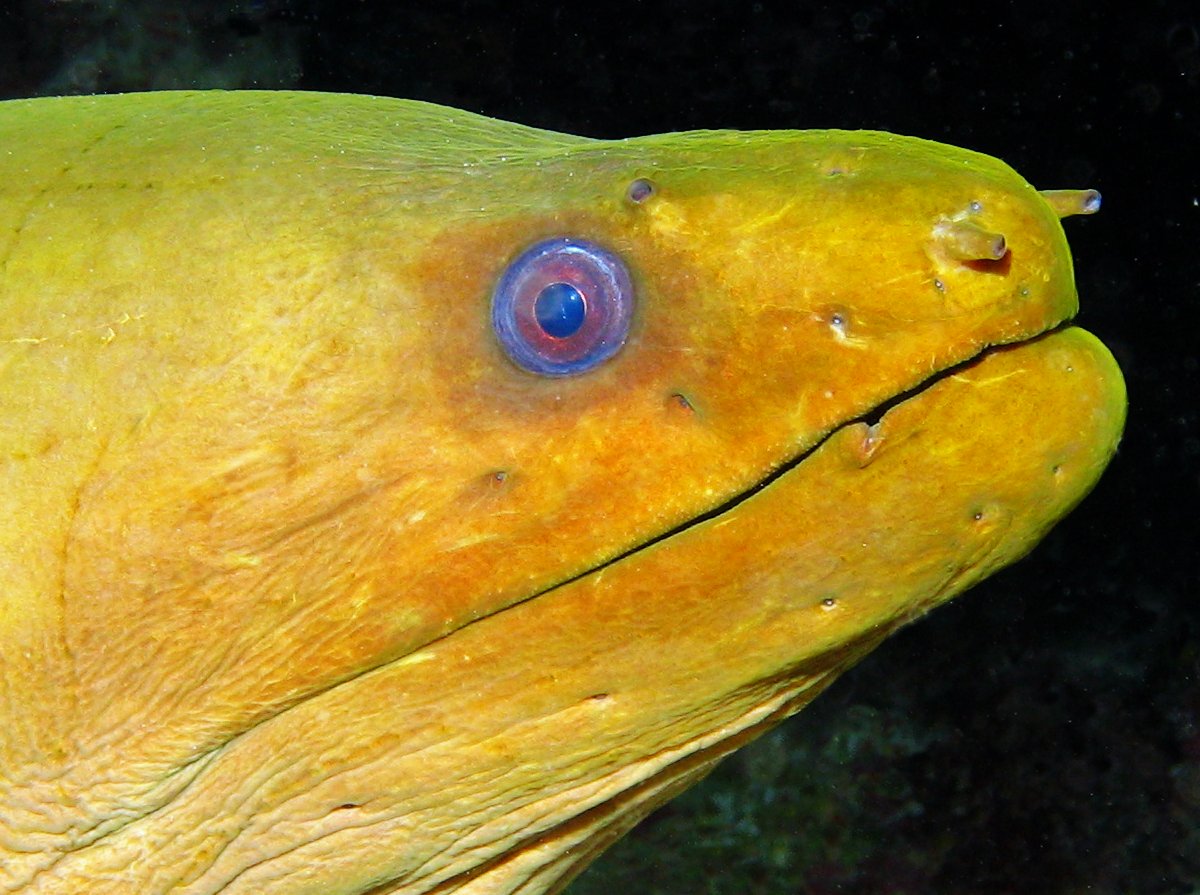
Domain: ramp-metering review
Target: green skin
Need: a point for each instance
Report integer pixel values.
(308, 588)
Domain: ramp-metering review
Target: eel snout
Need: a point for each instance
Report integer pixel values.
(965, 240)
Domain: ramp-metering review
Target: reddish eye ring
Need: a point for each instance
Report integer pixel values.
(563, 307)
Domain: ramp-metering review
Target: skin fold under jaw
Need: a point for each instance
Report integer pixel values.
(306, 586)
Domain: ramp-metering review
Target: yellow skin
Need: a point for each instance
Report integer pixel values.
(305, 587)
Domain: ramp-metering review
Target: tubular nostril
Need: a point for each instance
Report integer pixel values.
(1066, 203)
(965, 241)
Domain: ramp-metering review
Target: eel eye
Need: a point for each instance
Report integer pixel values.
(563, 307)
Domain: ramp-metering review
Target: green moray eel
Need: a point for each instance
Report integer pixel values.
(310, 582)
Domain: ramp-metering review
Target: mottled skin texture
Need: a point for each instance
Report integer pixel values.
(303, 585)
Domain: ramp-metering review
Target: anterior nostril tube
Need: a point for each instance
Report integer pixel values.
(965, 241)
(1066, 203)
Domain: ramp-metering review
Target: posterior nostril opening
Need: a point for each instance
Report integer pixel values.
(639, 190)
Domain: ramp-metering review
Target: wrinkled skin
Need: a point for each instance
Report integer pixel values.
(306, 588)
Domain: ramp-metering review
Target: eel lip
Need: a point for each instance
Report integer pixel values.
(862, 437)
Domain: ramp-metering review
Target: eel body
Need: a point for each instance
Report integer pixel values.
(308, 584)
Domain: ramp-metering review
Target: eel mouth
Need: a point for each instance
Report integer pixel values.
(869, 424)
(603, 697)
(957, 241)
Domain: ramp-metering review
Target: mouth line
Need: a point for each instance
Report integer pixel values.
(870, 418)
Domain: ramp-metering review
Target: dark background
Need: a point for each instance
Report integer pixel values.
(1041, 735)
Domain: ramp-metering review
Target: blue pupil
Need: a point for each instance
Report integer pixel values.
(559, 310)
